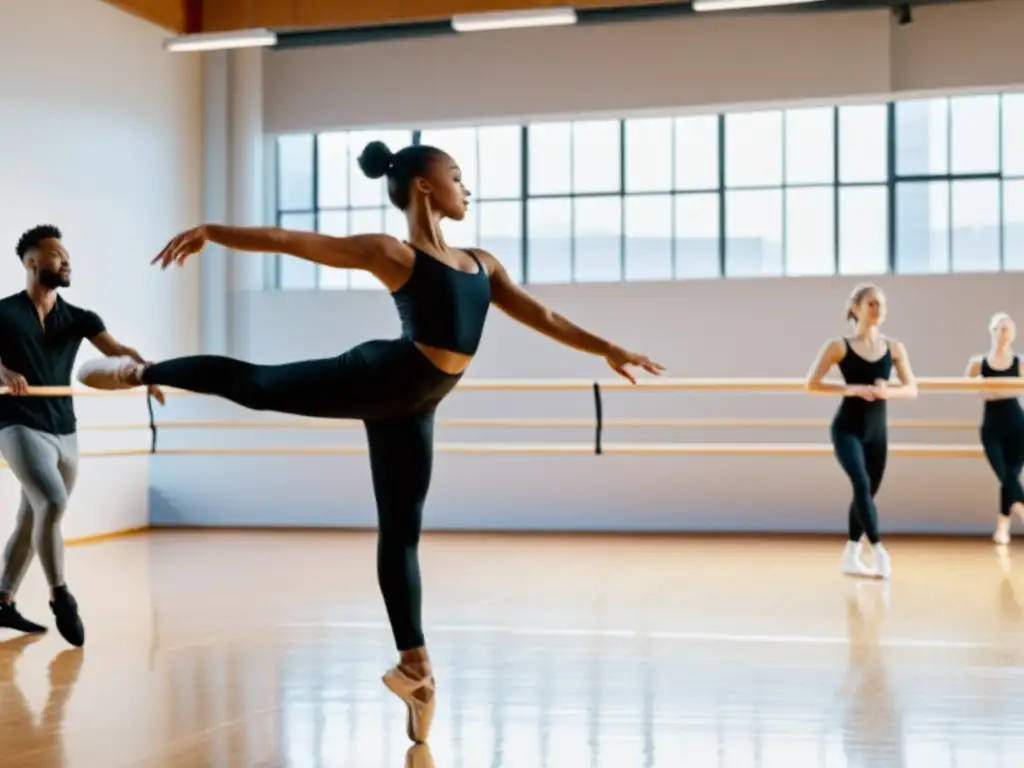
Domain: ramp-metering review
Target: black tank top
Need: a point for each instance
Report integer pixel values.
(855, 413)
(988, 372)
(857, 370)
(443, 307)
(1002, 413)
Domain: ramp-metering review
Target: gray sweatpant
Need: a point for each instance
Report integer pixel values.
(46, 465)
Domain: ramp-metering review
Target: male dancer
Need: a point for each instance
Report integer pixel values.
(40, 335)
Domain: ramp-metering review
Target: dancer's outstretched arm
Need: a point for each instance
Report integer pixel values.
(381, 255)
(521, 306)
(111, 347)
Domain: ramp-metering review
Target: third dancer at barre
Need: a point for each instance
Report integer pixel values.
(1002, 425)
(859, 430)
(394, 386)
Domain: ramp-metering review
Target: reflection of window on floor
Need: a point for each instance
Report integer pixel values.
(918, 186)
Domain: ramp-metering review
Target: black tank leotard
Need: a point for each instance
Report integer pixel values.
(1002, 437)
(860, 440)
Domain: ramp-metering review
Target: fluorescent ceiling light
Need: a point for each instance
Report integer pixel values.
(540, 17)
(222, 41)
(736, 5)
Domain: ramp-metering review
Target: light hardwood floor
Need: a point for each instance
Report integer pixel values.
(265, 650)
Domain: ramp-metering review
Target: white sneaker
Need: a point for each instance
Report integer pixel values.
(852, 564)
(109, 373)
(883, 564)
(421, 713)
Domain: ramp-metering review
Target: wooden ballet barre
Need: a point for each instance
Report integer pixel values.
(664, 449)
(723, 385)
(540, 423)
(913, 450)
(548, 385)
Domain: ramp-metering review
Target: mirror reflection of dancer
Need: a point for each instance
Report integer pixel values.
(394, 386)
(859, 429)
(1002, 424)
(40, 335)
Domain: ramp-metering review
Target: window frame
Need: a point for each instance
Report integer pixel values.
(674, 191)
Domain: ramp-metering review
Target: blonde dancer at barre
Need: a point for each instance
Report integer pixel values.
(40, 335)
(859, 430)
(394, 386)
(1002, 425)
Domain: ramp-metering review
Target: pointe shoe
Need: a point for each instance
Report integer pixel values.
(421, 713)
(109, 373)
(419, 756)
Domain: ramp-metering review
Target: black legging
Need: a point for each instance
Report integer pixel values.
(394, 390)
(1002, 437)
(862, 456)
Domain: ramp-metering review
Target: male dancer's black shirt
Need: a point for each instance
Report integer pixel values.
(44, 353)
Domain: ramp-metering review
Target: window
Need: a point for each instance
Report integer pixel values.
(295, 173)
(501, 163)
(922, 227)
(549, 239)
(1013, 215)
(1013, 134)
(648, 228)
(697, 153)
(863, 143)
(753, 233)
(698, 236)
(648, 155)
(596, 157)
(810, 146)
(332, 170)
(550, 158)
(863, 230)
(974, 142)
(1013, 186)
(810, 231)
(597, 239)
(975, 226)
(922, 137)
(916, 186)
(753, 149)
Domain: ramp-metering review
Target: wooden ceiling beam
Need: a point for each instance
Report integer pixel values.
(168, 14)
(226, 15)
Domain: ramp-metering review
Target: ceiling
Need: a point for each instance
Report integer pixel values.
(304, 16)
(222, 15)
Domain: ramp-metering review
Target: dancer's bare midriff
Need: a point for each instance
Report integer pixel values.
(452, 363)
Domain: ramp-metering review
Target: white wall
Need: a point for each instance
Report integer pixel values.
(707, 63)
(100, 133)
(719, 328)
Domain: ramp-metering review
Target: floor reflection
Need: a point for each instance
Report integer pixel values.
(28, 738)
(613, 653)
